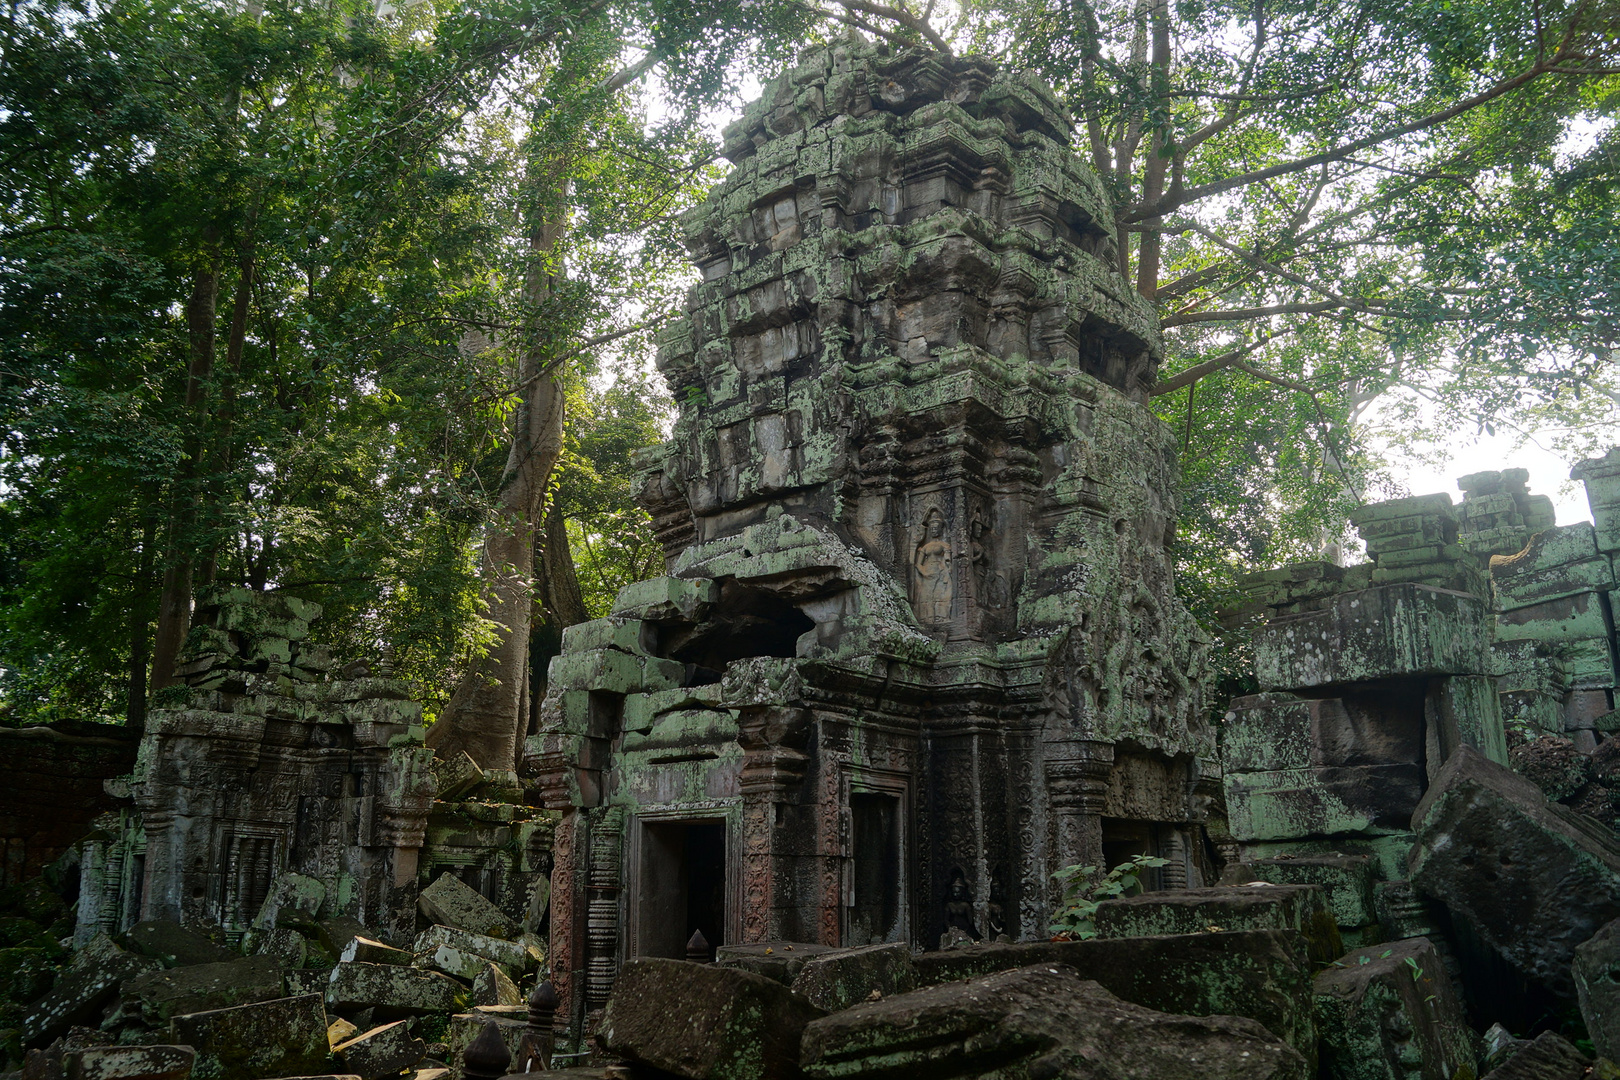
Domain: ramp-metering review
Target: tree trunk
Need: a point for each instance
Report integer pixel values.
(174, 600)
(564, 603)
(486, 709)
(1158, 157)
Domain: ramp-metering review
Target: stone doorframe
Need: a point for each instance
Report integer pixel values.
(725, 811)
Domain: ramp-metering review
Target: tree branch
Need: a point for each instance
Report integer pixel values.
(1208, 367)
(1343, 151)
(1239, 314)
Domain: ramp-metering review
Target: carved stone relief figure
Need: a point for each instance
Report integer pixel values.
(959, 908)
(931, 564)
(992, 584)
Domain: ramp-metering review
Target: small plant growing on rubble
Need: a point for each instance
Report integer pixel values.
(1084, 887)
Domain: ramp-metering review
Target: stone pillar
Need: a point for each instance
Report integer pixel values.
(602, 906)
(1077, 784)
(566, 954)
(768, 774)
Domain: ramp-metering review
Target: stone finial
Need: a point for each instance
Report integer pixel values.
(697, 948)
(486, 1057)
(538, 1037)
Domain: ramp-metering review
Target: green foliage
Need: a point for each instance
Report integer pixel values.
(356, 182)
(1084, 887)
(1340, 206)
(611, 536)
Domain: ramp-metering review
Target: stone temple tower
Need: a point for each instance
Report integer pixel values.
(918, 646)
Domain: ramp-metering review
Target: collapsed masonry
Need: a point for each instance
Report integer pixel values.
(276, 765)
(1479, 625)
(919, 645)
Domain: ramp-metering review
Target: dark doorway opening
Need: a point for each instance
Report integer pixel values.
(1122, 839)
(682, 886)
(876, 904)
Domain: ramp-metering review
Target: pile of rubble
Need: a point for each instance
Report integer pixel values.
(306, 994)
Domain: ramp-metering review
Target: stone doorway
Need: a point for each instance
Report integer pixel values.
(876, 905)
(681, 873)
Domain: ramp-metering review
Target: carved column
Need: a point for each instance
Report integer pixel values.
(1077, 782)
(602, 907)
(566, 954)
(772, 733)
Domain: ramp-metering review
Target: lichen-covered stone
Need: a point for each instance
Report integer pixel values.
(705, 1022)
(492, 986)
(915, 511)
(364, 950)
(1346, 880)
(838, 980)
(204, 987)
(294, 901)
(1549, 1056)
(1041, 1021)
(1533, 879)
(1302, 909)
(1395, 630)
(382, 1051)
(94, 975)
(453, 903)
(129, 1063)
(284, 1037)
(1597, 987)
(1264, 975)
(511, 1021)
(509, 954)
(1390, 1013)
(391, 988)
(174, 945)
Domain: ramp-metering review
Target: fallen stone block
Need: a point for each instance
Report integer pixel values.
(392, 989)
(284, 1037)
(451, 902)
(82, 988)
(284, 945)
(511, 955)
(340, 1030)
(1549, 1056)
(493, 987)
(294, 901)
(364, 950)
(456, 776)
(1263, 975)
(1300, 908)
(1390, 1013)
(204, 987)
(1346, 881)
(334, 934)
(1384, 632)
(173, 945)
(382, 1051)
(1040, 1021)
(306, 981)
(837, 980)
(778, 960)
(704, 1022)
(1597, 988)
(129, 1063)
(1532, 879)
(1345, 800)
